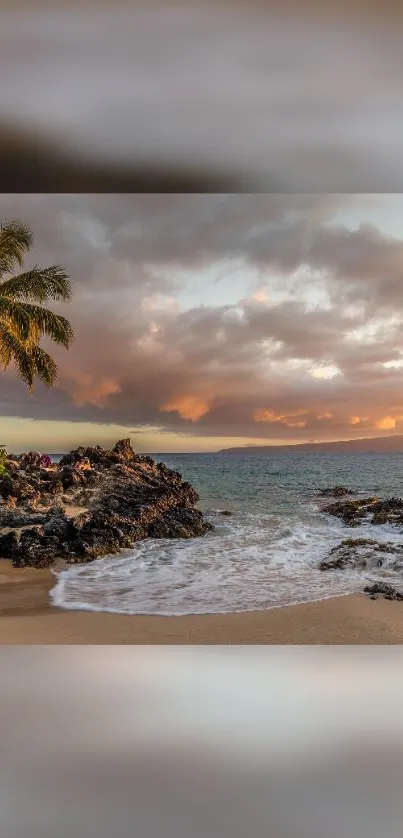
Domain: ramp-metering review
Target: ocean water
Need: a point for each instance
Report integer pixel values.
(265, 555)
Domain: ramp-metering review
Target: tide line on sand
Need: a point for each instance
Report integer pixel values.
(27, 617)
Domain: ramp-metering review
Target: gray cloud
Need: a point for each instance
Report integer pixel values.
(141, 358)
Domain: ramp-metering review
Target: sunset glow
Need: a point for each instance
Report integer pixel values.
(208, 321)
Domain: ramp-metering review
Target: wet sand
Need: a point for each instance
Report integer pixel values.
(26, 617)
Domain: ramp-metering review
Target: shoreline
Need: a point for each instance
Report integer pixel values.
(28, 617)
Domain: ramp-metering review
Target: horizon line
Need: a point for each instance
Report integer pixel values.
(251, 446)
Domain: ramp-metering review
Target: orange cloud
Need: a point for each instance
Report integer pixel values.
(188, 407)
(263, 415)
(325, 416)
(88, 390)
(386, 424)
(358, 420)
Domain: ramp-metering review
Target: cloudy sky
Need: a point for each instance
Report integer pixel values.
(205, 321)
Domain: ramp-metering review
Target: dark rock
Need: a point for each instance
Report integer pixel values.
(6, 486)
(380, 517)
(364, 553)
(145, 458)
(126, 498)
(352, 512)
(384, 590)
(225, 512)
(98, 534)
(57, 523)
(35, 549)
(179, 523)
(335, 492)
(20, 517)
(124, 449)
(8, 544)
(69, 477)
(30, 461)
(373, 510)
(17, 485)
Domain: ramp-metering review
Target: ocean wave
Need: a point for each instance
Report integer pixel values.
(252, 560)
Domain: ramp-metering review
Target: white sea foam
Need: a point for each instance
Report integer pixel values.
(251, 561)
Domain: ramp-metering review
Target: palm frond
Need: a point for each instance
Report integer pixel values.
(38, 285)
(22, 321)
(45, 367)
(15, 240)
(27, 317)
(16, 314)
(48, 323)
(5, 348)
(13, 348)
(30, 361)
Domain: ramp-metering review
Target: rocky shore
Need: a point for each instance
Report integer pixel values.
(366, 553)
(91, 504)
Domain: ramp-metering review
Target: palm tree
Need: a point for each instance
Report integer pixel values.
(22, 321)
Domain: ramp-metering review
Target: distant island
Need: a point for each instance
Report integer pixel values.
(377, 445)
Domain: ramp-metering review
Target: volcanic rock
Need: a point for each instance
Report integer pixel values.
(352, 512)
(364, 553)
(8, 543)
(383, 590)
(93, 503)
(179, 523)
(372, 510)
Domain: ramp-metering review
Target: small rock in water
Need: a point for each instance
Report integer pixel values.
(384, 590)
(373, 510)
(363, 553)
(352, 512)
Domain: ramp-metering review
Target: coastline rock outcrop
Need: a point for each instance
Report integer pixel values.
(369, 554)
(352, 512)
(92, 503)
(372, 510)
(364, 553)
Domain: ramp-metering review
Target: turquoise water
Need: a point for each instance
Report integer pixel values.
(265, 555)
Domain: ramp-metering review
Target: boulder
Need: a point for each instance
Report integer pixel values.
(383, 590)
(99, 533)
(124, 449)
(179, 523)
(35, 549)
(31, 461)
(364, 553)
(57, 523)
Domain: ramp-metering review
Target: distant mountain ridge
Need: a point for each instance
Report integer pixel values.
(376, 445)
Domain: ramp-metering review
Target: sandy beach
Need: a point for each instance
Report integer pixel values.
(26, 616)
